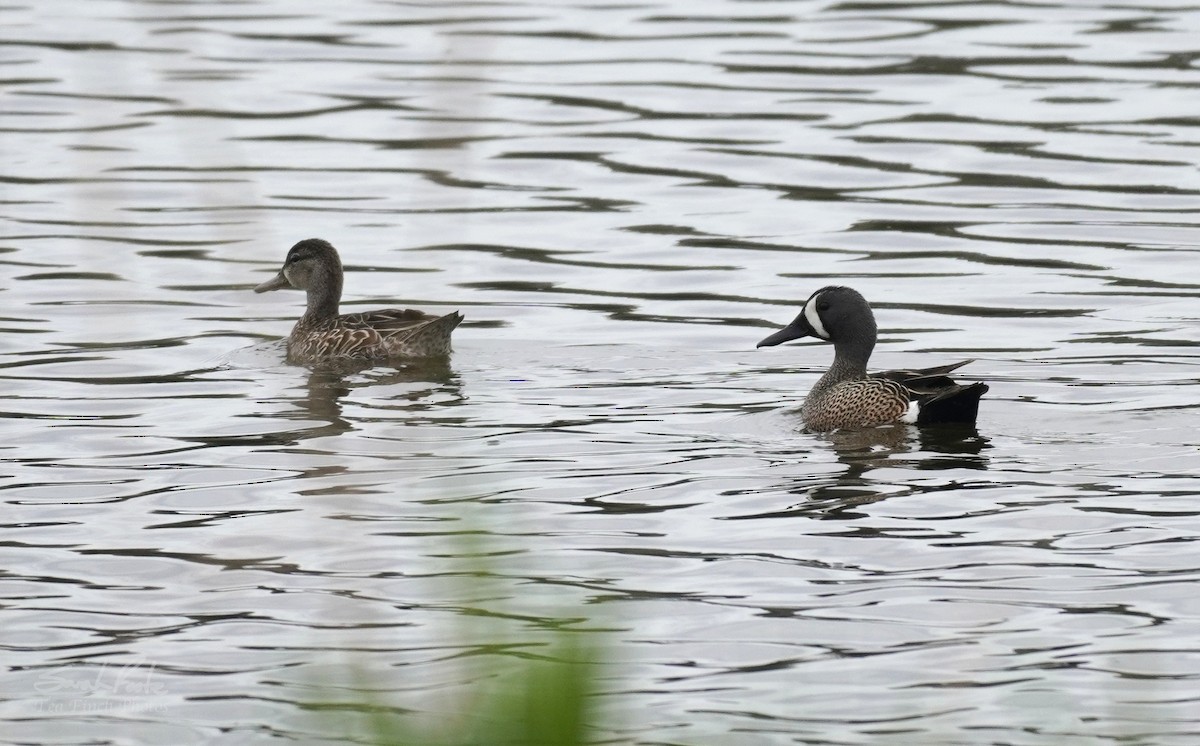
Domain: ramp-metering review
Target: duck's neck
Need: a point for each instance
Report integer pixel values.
(850, 358)
(324, 292)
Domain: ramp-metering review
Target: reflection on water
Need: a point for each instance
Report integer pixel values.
(861, 452)
(621, 198)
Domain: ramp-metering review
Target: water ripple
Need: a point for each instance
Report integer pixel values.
(620, 198)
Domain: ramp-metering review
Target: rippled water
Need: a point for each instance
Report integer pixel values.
(622, 199)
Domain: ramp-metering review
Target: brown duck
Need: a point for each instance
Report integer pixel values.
(847, 396)
(323, 336)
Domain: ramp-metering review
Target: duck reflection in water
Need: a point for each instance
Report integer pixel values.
(863, 451)
(421, 384)
(936, 447)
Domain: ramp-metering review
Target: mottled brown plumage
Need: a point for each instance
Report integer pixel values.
(322, 335)
(865, 402)
(846, 396)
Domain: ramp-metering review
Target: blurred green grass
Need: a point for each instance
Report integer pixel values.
(539, 688)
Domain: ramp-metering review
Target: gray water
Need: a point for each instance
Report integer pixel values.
(622, 198)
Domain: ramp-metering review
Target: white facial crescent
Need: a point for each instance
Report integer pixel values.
(813, 318)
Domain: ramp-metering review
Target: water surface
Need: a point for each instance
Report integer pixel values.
(622, 199)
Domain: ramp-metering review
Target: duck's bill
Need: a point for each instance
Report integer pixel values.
(275, 283)
(795, 330)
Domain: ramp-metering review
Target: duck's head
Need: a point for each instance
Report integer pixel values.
(311, 263)
(835, 314)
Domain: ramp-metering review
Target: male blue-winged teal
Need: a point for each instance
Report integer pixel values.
(322, 336)
(846, 396)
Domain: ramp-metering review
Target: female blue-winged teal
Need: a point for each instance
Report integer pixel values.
(322, 336)
(846, 396)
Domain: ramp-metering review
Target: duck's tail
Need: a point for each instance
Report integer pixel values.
(433, 337)
(954, 403)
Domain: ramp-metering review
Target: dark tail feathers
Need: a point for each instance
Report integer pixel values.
(956, 403)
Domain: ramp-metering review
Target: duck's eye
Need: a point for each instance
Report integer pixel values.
(823, 305)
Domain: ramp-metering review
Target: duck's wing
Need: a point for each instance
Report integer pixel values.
(923, 378)
(406, 332)
(385, 320)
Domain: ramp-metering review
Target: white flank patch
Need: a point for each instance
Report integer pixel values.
(911, 415)
(814, 318)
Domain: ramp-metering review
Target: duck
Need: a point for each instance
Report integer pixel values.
(322, 335)
(847, 397)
